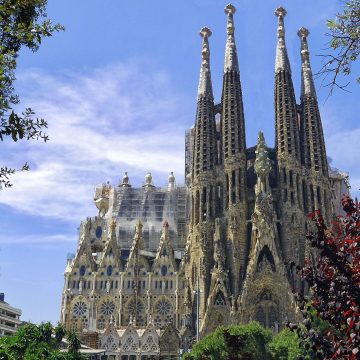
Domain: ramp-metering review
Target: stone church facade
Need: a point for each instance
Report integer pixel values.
(160, 267)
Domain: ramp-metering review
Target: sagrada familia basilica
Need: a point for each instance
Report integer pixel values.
(160, 267)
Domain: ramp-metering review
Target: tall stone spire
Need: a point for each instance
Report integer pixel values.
(233, 126)
(312, 138)
(231, 59)
(287, 143)
(205, 128)
(233, 145)
(203, 177)
(287, 132)
(205, 85)
(307, 81)
(282, 59)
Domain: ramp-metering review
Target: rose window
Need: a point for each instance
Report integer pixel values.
(163, 307)
(136, 312)
(80, 308)
(107, 307)
(135, 308)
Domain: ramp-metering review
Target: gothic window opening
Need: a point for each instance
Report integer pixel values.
(149, 345)
(107, 308)
(109, 344)
(80, 308)
(211, 201)
(163, 313)
(304, 193)
(219, 197)
(219, 299)
(79, 316)
(265, 260)
(136, 311)
(204, 203)
(197, 207)
(260, 316)
(130, 344)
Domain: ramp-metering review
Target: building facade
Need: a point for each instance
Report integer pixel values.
(9, 318)
(160, 267)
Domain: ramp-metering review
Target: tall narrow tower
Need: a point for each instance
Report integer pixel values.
(313, 153)
(234, 157)
(203, 180)
(287, 146)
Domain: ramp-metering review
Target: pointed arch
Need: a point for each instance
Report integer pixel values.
(79, 313)
(260, 316)
(106, 310)
(265, 258)
(135, 310)
(163, 312)
(130, 341)
(219, 299)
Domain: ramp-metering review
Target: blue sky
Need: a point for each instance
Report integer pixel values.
(118, 89)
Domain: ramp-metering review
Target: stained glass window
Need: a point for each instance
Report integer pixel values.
(163, 270)
(82, 270)
(109, 270)
(163, 307)
(98, 232)
(107, 307)
(79, 308)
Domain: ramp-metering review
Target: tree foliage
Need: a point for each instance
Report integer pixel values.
(285, 346)
(35, 342)
(246, 342)
(23, 23)
(345, 42)
(334, 281)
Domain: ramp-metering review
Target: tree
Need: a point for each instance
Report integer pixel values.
(34, 342)
(345, 41)
(285, 346)
(242, 342)
(334, 281)
(23, 23)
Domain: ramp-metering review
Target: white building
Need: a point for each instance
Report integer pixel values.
(9, 317)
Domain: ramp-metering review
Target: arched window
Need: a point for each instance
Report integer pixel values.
(260, 316)
(265, 258)
(163, 312)
(136, 311)
(219, 299)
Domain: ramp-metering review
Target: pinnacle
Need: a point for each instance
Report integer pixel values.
(303, 32)
(205, 32)
(280, 11)
(230, 9)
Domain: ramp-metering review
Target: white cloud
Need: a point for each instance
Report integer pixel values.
(7, 239)
(100, 124)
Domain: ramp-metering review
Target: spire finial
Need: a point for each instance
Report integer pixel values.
(280, 12)
(205, 33)
(282, 60)
(231, 60)
(307, 82)
(303, 33)
(138, 227)
(230, 11)
(205, 86)
(165, 231)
